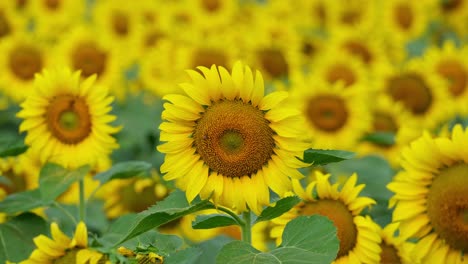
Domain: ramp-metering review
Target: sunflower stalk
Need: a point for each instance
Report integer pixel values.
(246, 228)
(82, 201)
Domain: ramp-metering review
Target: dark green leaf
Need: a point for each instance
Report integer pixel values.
(21, 202)
(326, 156)
(213, 221)
(186, 256)
(12, 147)
(306, 239)
(211, 248)
(16, 236)
(165, 244)
(381, 138)
(281, 207)
(55, 180)
(124, 170)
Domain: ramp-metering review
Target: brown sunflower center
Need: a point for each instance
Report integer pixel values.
(14, 182)
(153, 37)
(274, 62)
(341, 72)
(342, 218)
(206, 57)
(457, 76)
(350, 17)
(389, 254)
(88, 58)
(5, 28)
(138, 201)
(120, 23)
(211, 5)
(327, 112)
(234, 138)
(360, 50)
(447, 206)
(52, 4)
(25, 61)
(412, 91)
(68, 119)
(308, 49)
(451, 5)
(403, 15)
(383, 122)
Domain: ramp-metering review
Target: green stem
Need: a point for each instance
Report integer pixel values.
(65, 212)
(246, 228)
(232, 214)
(82, 201)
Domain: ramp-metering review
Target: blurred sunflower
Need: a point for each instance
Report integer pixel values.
(358, 235)
(10, 21)
(54, 17)
(67, 119)
(312, 14)
(212, 14)
(352, 16)
(336, 117)
(23, 57)
(394, 248)
(62, 249)
(451, 12)
(430, 197)
(133, 195)
(228, 137)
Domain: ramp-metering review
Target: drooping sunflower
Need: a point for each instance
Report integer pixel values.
(430, 197)
(23, 57)
(66, 119)
(394, 248)
(358, 235)
(336, 117)
(62, 249)
(226, 136)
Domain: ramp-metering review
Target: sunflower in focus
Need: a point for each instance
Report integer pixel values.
(23, 57)
(394, 248)
(66, 119)
(228, 137)
(358, 235)
(336, 117)
(430, 197)
(60, 249)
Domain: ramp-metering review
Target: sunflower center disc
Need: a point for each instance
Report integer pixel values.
(273, 62)
(52, 4)
(447, 206)
(359, 50)
(68, 258)
(211, 5)
(25, 61)
(234, 138)
(384, 122)
(120, 23)
(88, 58)
(404, 16)
(412, 91)
(389, 255)
(205, 57)
(455, 74)
(68, 119)
(340, 72)
(327, 112)
(342, 218)
(4, 25)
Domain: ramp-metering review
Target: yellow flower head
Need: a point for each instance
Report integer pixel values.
(229, 141)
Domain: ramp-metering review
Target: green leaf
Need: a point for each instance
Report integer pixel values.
(280, 207)
(165, 244)
(171, 208)
(213, 221)
(12, 147)
(55, 180)
(124, 170)
(211, 248)
(21, 202)
(186, 256)
(16, 236)
(380, 138)
(306, 239)
(326, 156)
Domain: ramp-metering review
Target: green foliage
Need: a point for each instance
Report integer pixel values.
(210, 248)
(306, 239)
(280, 207)
(123, 170)
(16, 236)
(326, 156)
(186, 256)
(12, 146)
(213, 221)
(380, 138)
(21, 202)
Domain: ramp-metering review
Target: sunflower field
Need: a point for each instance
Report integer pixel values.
(233, 131)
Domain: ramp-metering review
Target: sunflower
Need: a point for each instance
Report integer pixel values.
(452, 13)
(228, 137)
(358, 235)
(336, 117)
(352, 16)
(212, 14)
(430, 197)
(312, 14)
(10, 21)
(62, 249)
(67, 119)
(394, 248)
(54, 17)
(133, 195)
(23, 57)
(451, 63)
